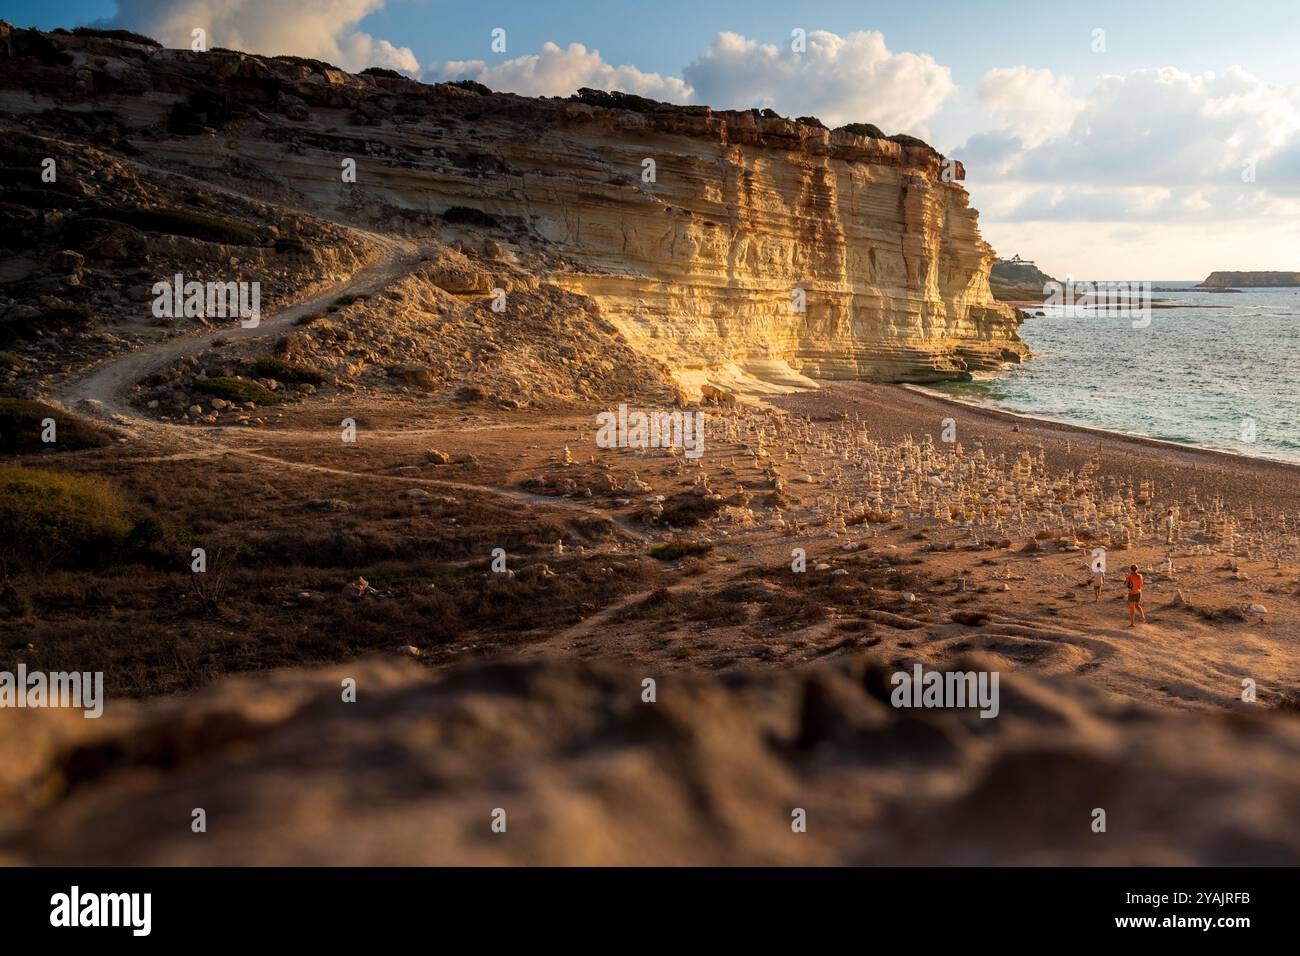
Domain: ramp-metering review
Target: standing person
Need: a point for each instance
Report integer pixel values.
(1170, 521)
(1098, 579)
(1134, 584)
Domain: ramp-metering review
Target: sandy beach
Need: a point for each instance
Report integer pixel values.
(897, 410)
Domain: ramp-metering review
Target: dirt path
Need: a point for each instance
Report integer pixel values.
(523, 497)
(103, 389)
(108, 382)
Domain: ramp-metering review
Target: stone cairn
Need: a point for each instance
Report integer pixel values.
(851, 475)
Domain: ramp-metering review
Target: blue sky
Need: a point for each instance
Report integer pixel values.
(967, 35)
(1099, 162)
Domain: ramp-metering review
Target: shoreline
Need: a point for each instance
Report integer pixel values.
(893, 412)
(1098, 430)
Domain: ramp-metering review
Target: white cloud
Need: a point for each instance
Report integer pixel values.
(320, 29)
(854, 78)
(1032, 105)
(1151, 144)
(838, 79)
(557, 71)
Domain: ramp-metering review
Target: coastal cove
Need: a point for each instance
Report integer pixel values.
(1216, 378)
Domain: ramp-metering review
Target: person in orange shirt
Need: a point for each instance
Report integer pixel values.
(1134, 584)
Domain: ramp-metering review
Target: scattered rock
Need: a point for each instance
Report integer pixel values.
(356, 589)
(67, 261)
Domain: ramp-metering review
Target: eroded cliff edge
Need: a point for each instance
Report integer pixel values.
(701, 265)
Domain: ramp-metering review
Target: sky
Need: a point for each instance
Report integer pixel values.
(1114, 140)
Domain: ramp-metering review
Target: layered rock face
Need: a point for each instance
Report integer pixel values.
(741, 248)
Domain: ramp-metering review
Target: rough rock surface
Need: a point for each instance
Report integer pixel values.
(700, 265)
(588, 773)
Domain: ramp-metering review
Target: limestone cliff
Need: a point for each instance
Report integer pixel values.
(701, 264)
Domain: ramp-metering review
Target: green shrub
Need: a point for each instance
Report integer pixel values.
(672, 550)
(48, 518)
(118, 35)
(472, 86)
(145, 534)
(616, 100)
(21, 428)
(316, 66)
(181, 222)
(904, 140)
(863, 129)
(234, 389)
(268, 367)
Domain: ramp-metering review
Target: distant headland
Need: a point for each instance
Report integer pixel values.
(1223, 280)
(1018, 279)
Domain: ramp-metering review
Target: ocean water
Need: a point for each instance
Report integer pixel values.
(1221, 370)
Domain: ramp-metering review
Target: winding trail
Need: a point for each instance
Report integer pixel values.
(108, 382)
(103, 389)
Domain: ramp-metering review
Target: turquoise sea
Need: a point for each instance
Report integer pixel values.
(1222, 370)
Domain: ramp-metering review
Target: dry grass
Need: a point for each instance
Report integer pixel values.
(281, 545)
(22, 429)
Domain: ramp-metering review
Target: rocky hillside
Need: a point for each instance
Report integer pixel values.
(80, 254)
(1250, 280)
(582, 770)
(695, 232)
(1018, 281)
